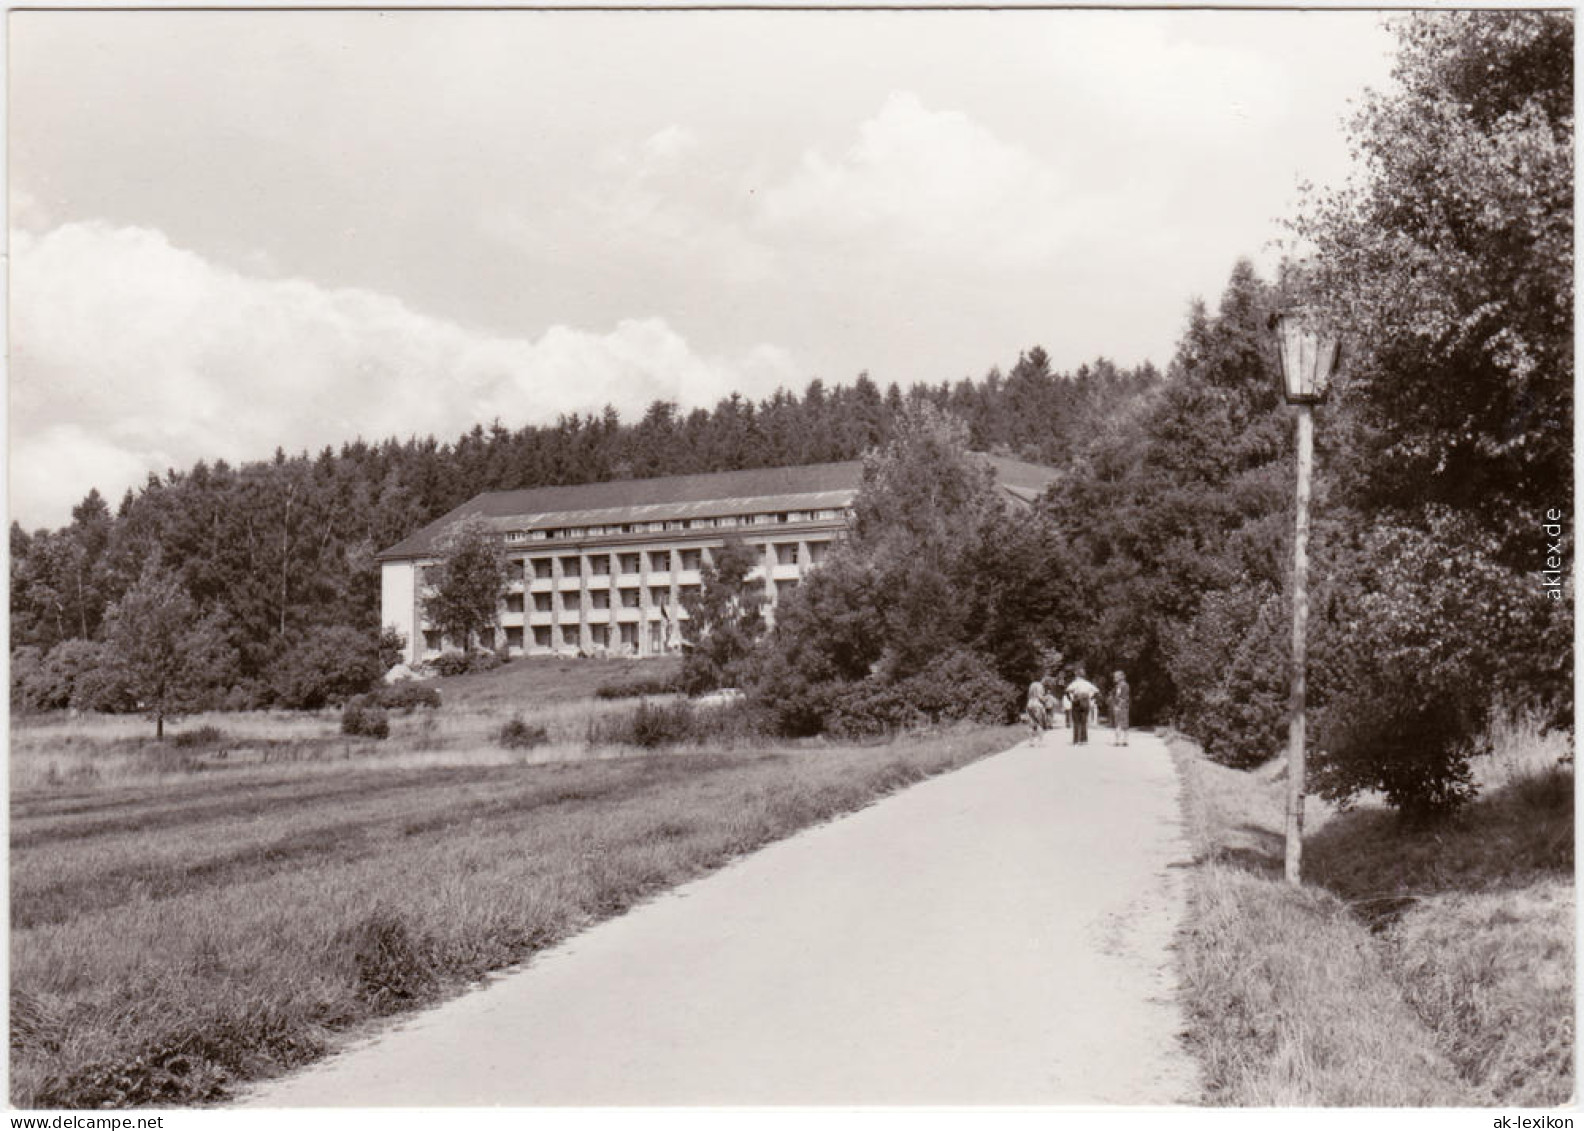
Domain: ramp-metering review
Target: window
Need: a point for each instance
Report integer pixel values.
(600, 598)
(514, 570)
(514, 636)
(569, 635)
(571, 567)
(542, 636)
(541, 567)
(517, 536)
(825, 516)
(727, 520)
(689, 593)
(538, 535)
(599, 564)
(659, 561)
(629, 598)
(818, 551)
(542, 603)
(631, 563)
(787, 553)
(514, 602)
(431, 640)
(629, 636)
(692, 559)
(659, 596)
(599, 636)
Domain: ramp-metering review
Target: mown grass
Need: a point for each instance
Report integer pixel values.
(1417, 966)
(173, 939)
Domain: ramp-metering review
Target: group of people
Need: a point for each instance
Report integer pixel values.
(1079, 706)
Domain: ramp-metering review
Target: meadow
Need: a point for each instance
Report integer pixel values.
(1428, 965)
(183, 923)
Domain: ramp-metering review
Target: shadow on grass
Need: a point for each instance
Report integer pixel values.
(1381, 864)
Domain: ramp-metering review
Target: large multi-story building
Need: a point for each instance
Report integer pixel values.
(605, 567)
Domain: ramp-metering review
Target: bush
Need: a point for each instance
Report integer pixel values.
(518, 735)
(75, 673)
(449, 664)
(199, 737)
(408, 697)
(653, 725)
(1418, 635)
(957, 687)
(329, 665)
(1230, 666)
(364, 719)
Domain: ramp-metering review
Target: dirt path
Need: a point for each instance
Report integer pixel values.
(998, 935)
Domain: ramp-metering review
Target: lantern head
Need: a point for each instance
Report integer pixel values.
(1309, 354)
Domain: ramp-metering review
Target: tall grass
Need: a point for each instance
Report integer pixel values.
(173, 939)
(1417, 966)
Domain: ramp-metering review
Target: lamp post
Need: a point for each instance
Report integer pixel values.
(1308, 354)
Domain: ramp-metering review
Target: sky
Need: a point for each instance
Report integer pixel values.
(236, 230)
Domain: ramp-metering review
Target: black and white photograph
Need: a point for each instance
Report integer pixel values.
(870, 560)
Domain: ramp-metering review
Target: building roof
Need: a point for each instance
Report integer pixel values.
(824, 486)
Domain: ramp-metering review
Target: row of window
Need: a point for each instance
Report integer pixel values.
(673, 524)
(660, 561)
(569, 635)
(626, 637)
(628, 598)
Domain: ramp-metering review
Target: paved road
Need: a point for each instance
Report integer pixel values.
(998, 935)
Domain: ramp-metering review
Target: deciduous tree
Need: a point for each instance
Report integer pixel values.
(468, 582)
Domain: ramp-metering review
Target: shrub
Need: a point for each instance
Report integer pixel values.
(1418, 636)
(653, 725)
(25, 663)
(461, 663)
(408, 697)
(199, 737)
(1230, 666)
(960, 686)
(329, 665)
(75, 673)
(518, 735)
(364, 719)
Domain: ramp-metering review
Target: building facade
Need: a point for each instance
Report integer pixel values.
(604, 568)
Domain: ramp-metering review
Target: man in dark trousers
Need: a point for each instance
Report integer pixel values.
(1083, 693)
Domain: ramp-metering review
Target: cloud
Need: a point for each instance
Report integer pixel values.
(1164, 78)
(933, 182)
(131, 355)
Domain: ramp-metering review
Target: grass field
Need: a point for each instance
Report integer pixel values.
(55, 750)
(1416, 966)
(180, 927)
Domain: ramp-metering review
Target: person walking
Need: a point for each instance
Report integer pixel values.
(1034, 710)
(1083, 700)
(1121, 700)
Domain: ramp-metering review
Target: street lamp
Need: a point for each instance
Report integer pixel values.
(1308, 355)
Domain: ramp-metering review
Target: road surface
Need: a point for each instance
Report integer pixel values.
(999, 935)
